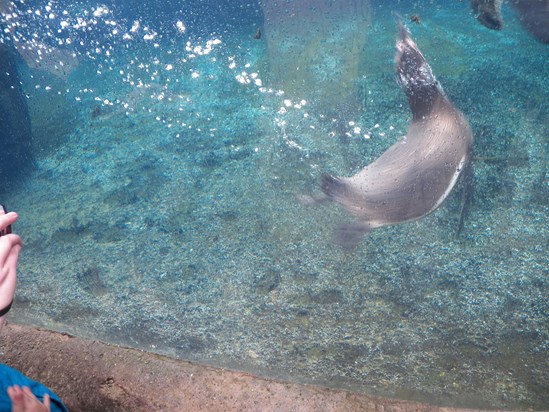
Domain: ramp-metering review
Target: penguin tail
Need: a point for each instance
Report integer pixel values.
(334, 187)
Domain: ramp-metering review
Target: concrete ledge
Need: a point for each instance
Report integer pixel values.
(93, 376)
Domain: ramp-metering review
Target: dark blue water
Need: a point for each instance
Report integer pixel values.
(159, 203)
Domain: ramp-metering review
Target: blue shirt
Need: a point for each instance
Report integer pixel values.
(10, 377)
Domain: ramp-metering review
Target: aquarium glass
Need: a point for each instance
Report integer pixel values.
(166, 160)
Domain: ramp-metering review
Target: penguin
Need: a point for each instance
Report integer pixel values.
(533, 15)
(488, 13)
(415, 175)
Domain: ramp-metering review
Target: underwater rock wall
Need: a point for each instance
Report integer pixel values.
(314, 49)
(15, 130)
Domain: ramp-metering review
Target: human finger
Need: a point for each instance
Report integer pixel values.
(32, 403)
(47, 402)
(13, 256)
(7, 219)
(9, 245)
(17, 399)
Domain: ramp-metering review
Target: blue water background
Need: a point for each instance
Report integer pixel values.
(162, 212)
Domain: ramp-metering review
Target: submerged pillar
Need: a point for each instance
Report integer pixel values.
(314, 49)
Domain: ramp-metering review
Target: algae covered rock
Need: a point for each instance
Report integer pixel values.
(15, 130)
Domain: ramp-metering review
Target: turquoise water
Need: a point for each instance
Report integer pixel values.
(161, 209)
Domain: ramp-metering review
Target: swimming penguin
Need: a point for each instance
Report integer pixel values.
(488, 13)
(533, 15)
(415, 175)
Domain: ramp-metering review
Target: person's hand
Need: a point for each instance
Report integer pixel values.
(23, 400)
(10, 246)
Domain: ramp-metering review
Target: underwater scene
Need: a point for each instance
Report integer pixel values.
(283, 188)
